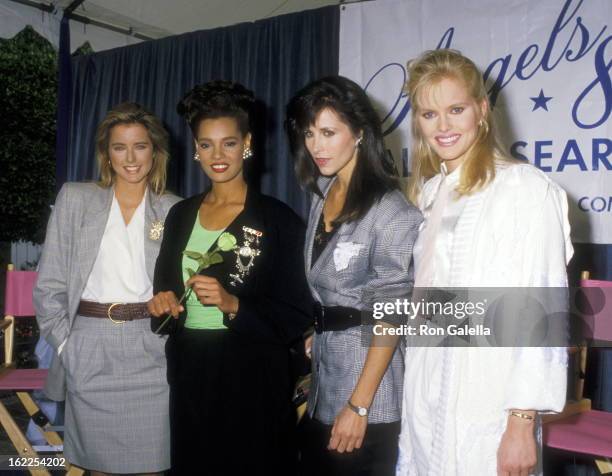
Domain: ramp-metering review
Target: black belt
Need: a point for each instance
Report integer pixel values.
(335, 318)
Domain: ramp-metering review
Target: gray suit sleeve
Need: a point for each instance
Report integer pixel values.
(395, 232)
(51, 290)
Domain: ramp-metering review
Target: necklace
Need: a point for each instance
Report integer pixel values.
(321, 234)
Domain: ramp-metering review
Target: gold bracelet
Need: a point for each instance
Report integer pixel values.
(522, 415)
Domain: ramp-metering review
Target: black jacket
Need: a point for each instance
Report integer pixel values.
(275, 304)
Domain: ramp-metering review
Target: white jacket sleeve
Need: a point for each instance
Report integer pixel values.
(538, 379)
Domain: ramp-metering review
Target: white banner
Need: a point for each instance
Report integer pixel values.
(547, 64)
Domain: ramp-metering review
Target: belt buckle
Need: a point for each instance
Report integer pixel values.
(108, 313)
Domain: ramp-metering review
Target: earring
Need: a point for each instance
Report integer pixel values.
(358, 142)
(247, 153)
(196, 157)
(483, 124)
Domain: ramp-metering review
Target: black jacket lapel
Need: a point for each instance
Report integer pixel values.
(248, 217)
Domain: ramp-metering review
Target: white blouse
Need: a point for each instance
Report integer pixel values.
(119, 273)
(433, 248)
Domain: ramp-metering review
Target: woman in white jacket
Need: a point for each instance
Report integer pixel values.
(489, 221)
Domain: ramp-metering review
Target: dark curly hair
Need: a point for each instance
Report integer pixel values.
(217, 99)
(374, 173)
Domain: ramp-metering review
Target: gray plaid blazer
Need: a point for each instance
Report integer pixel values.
(378, 248)
(74, 234)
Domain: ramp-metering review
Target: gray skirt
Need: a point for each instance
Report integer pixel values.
(117, 397)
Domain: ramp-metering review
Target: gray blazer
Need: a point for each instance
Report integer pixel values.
(365, 261)
(74, 234)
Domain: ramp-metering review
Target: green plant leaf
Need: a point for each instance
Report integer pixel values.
(193, 255)
(28, 82)
(216, 258)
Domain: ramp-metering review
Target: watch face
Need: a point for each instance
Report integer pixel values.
(362, 411)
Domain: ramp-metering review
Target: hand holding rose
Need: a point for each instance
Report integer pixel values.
(209, 291)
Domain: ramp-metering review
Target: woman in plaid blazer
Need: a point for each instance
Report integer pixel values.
(95, 276)
(358, 252)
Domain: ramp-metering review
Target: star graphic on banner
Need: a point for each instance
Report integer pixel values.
(540, 101)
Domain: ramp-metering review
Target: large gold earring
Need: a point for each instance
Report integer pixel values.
(484, 125)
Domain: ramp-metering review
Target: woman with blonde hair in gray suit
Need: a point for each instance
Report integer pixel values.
(95, 278)
(358, 253)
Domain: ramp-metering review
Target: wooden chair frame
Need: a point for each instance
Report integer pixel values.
(15, 434)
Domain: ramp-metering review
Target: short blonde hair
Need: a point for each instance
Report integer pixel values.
(132, 113)
(479, 167)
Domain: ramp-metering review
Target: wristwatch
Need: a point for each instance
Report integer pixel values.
(361, 411)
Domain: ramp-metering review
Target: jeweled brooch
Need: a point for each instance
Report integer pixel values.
(246, 254)
(156, 230)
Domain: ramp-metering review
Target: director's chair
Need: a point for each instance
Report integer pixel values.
(579, 429)
(18, 303)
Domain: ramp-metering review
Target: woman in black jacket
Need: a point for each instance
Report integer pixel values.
(229, 347)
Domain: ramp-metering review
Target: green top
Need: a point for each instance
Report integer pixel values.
(198, 315)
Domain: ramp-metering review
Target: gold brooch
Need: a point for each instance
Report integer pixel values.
(156, 230)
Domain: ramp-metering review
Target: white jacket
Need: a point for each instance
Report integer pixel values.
(514, 233)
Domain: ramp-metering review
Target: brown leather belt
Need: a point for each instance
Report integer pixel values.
(116, 312)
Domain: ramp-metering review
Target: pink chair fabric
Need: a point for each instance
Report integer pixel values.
(18, 295)
(18, 302)
(587, 433)
(598, 323)
(23, 380)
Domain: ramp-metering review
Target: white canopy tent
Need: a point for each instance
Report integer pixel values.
(109, 24)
